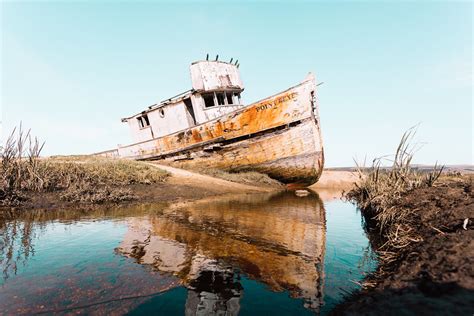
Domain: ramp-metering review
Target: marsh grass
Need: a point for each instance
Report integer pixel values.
(378, 195)
(75, 178)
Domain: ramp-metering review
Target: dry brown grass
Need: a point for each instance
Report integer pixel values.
(378, 195)
(76, 178)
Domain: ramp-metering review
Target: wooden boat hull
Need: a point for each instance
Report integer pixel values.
(289, 155)
(279, 136)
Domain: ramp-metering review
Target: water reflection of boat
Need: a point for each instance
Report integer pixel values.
(277, 239)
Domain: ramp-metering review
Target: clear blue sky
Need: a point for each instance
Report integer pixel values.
(70, 71)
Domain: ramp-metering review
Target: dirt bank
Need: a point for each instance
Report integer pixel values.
(180, 185)
(336, 179)
(181, 177)
(132, 182)
(434, 273)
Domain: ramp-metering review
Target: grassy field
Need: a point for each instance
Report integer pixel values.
(74, 178)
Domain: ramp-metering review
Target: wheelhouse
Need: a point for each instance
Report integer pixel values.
(216, 90)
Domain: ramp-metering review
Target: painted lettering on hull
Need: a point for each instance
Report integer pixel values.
(276, 102)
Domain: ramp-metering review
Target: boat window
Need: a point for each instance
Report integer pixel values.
(143, 121)
(236, 97)
(162, 113)
(208, 100)
(220, 98)
(229, 97)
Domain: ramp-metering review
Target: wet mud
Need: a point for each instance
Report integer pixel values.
(142, 193)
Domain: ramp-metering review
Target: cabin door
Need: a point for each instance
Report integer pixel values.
(190, 112)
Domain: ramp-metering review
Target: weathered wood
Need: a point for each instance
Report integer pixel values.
(291, 155)
(279, 135)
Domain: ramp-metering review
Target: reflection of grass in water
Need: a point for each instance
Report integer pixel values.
(19, 229)
(16, 245)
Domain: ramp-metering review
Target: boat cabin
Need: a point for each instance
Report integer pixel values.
(216, 89)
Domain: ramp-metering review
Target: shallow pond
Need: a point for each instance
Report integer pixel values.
(234, 255)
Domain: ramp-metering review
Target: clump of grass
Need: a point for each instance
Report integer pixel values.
(64, 172)
(245, 177)
(76, 178)
(379, 191)
(19, 158)
(91, 194)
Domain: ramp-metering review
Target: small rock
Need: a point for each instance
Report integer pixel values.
(302, 193)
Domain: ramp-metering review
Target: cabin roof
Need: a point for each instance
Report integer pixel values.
(179, 97)
(173, 100)
(213, 61)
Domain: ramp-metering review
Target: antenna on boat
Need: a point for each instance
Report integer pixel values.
(238, 65)
(207, 57)
(217, 57)
(230, 62)
(319, 83)
(236, 61)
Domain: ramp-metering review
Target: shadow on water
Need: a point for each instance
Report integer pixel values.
(243, 254)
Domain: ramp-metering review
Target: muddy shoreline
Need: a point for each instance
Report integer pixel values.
(167, 192)
(181, 186)
(435, 274)
(176, 185)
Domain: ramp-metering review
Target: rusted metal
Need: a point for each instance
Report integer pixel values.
(279, 135)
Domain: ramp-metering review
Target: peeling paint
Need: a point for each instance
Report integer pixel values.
(279, 135)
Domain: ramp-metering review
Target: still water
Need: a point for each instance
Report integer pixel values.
(236, 255)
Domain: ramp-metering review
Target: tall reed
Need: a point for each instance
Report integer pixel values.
(78, 178)
(19, 168)
(379, 191)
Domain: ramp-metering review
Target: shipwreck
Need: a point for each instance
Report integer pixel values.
(208, 126)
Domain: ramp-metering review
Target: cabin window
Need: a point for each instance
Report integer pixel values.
(143, 121)
(220, 98)
(208, 100)
(229, 97)
(236, 97)
(162, 112)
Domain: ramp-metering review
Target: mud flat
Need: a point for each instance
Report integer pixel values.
(71, 182)
(179, 185)
(342, 179)
(427, 266)
(83, 181)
